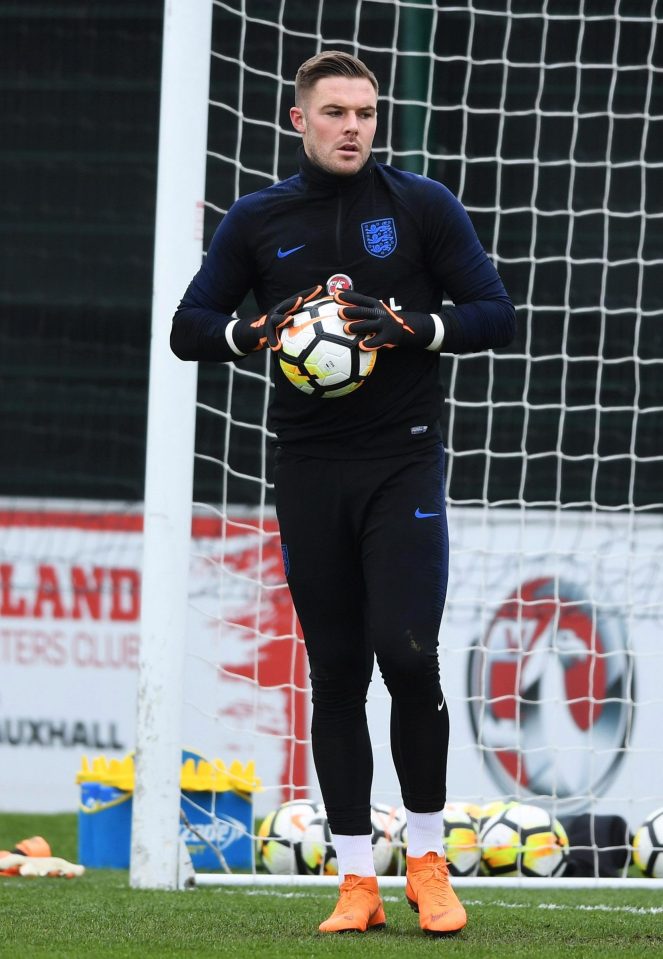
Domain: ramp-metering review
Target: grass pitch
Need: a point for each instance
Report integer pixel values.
(99, 915)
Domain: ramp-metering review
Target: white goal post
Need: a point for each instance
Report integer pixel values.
(547, 124)
(155, 848)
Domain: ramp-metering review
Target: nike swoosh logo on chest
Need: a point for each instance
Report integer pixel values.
(283, 253)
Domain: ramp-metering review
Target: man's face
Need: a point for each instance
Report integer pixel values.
(337, 120)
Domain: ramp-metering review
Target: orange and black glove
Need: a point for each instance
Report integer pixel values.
(251, 335)
(10, 860)
(379, 325)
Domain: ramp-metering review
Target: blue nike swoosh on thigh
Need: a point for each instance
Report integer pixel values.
(419, 515)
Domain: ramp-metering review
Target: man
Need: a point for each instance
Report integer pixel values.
(362, 473)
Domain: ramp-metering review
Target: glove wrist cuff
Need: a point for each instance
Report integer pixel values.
(428, 331)
(435, 344)
(230, 339)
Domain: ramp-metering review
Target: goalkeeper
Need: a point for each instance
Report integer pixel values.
(363, 474)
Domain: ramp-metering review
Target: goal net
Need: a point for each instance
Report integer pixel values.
(548, 126)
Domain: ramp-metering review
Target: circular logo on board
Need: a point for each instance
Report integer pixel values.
(338, 281)
(551, 694)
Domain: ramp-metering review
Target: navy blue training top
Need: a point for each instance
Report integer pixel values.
(396, 235)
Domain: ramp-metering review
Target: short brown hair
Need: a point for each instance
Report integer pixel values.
(330, 63)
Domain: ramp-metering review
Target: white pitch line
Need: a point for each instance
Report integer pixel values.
(576, 907)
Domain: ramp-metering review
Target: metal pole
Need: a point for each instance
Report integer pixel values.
(170, 446)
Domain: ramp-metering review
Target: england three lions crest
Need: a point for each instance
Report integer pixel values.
(379, 237)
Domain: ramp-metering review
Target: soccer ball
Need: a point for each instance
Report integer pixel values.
(460, 839)
(317, 852)
(317, 355)
(399, 842)
(387, 822)
(523, 840)
(280, 836)
(473, 810)
(491, 809)
(648, 845)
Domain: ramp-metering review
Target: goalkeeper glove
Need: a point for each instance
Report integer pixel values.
(246, 336)
(12, 864)
(380, 325)
(33, 846)
(283, 314)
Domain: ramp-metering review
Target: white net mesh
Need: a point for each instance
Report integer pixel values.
(547, 125)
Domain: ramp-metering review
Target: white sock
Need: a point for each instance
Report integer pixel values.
(354, 855)
(424, 832)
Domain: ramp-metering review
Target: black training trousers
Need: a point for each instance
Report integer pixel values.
(365, 549)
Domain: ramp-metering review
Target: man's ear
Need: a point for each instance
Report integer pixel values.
(297, 119)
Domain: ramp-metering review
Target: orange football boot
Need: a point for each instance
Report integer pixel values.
(429, 893)
(359, 907)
